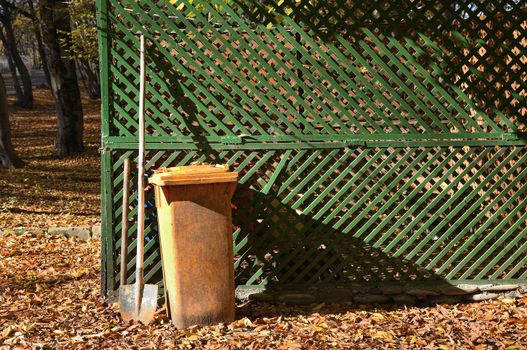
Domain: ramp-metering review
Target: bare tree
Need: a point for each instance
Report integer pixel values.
(9, 40)
(12, 68)
(64, 85)
(8, 157)
(84, 49)
(32, 15)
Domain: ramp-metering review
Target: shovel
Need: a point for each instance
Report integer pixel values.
(138, 301)
(124, 223)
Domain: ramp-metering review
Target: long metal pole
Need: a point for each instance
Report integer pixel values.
(139, 271)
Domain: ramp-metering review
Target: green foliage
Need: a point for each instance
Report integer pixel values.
(199, 6)
(25, 36)
(81, 43)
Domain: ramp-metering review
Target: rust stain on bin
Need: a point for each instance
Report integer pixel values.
(194, 214)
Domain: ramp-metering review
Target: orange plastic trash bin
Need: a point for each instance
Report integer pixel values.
(194, 218)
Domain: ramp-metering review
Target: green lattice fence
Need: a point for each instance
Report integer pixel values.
(376, 140)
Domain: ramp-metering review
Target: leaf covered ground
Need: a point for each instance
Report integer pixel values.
(49, 285)
(50, 191)
(49, 299)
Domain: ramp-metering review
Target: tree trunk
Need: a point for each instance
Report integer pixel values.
(91, 79)
(64, 85)
(8, 158)
(10, 42)
(12, 68)
(40, 45)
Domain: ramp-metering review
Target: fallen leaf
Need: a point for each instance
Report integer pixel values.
(417, 341)
(383, 336)
(6, 332)
(445, 347)
(377, 317)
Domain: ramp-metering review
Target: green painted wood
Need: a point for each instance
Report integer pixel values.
(512, 236)
(314, 257)
(333, 186)
(375, 141)
(323, 175)
(512, 259)
(289, 257)
(104, 66)
(445, 205)
(486, 240)
(376, 198)
(482, 228)
(408, 197)
(457, 223)
(350, 71)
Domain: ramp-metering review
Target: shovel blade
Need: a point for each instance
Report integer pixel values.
(127, 302)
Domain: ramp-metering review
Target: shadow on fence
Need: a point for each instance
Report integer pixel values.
(464, 62)
(477, 48)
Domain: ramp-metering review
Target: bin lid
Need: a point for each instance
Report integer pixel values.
(193, 175)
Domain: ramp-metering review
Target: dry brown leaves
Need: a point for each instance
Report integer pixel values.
(49, 191)
(49, 298)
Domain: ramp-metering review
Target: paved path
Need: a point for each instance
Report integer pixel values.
(37, 79)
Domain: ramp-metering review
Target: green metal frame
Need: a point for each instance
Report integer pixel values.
(376, 142)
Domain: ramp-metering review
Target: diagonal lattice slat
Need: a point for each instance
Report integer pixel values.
(284, 80)
(283, 239)
(376, 141)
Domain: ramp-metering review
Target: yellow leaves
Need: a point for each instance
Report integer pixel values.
(508, 301)
(218, 7)
(383, 336)
(245, 322)
(417, 341)
(270, 9)
(76, 273)
(445, 347)
(321, 328)
(377, 317)
(192, 337)
(11, 333)
(6, 332)
(73, 314)
(292, 345)
(440, 330)
(200, 7)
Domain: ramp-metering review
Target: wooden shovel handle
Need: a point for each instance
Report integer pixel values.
(124, 221)
(139, 265)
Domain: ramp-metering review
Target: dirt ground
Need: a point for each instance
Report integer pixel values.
(49, 299)
(50, 191)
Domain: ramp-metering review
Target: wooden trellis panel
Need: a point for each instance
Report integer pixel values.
(376, 141)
